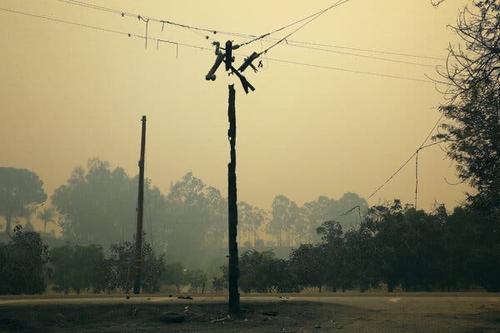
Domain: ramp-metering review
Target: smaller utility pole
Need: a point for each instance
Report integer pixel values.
(416, 177)
(140, 213)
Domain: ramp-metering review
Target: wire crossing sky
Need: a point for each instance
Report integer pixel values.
(336, 108)
(265, 36)
(160, 40)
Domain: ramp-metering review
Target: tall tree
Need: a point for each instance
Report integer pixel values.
(308, 263)
(47, 215)
(472, 108)
(189, 217)
(281, 217)
(216, 217)
(79, 268)
(20, 189)
(98, 204)
(250, 218)
(331, 234)
(196, 222)
(472, 130)
(257, 219)
(244, 218)
(325, 209)
(317, 212)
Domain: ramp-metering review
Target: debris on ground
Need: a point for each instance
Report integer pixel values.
(184, 297)
(172, 317)
(188, 312)
(284, 330)
(270, 313)
(220, 320)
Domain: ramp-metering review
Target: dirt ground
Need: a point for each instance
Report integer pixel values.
(395, 313)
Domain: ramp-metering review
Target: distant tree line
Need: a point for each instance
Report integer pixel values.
(395, 247)
(27, 266)
(188, 223)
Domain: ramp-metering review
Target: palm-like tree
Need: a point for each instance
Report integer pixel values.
(47, 215)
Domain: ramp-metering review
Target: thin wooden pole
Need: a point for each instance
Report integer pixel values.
(416, 180)
(140, 212)
(234, 272)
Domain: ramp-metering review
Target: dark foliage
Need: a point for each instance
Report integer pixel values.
(472, 134)
(197, 279)
(405, 248)
(22, 263)
(306, 265)
(79, 268)
(472, 81)
(85, 267)
(262, 272)
(121, 263)
(175, 275)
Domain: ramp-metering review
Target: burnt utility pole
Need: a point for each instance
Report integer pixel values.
(140, 213)
(227, 58)
(232, 197)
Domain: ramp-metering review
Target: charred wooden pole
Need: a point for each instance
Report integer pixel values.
(140, 213)
(232, 197)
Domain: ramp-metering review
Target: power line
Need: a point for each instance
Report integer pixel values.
(423, 146)
(187, 26)
(360, 55)
(312, 18)
(401, 167)
(290, 42)
(349, 70)
(405, 163)
(431, 131)
(253, 37)
(124, 13)
(160, 40)
(97, 28)
(308, 20)
(434, 144)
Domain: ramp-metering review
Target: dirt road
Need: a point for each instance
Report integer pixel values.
(394, 313)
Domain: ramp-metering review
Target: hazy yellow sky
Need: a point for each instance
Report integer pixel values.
(69, 93)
